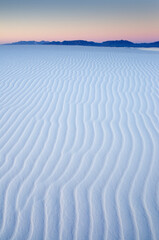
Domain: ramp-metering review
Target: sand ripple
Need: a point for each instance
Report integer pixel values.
(79, 137)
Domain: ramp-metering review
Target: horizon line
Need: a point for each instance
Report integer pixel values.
(89, 41)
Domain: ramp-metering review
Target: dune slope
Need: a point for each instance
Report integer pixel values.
(79, 143)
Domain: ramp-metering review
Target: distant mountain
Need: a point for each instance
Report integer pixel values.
(147, 45)
(116, 43)
(23, 43)
(81, 43)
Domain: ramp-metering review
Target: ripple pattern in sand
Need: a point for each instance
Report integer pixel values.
(79, 137)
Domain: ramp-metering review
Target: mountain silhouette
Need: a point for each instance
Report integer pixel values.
(115, 43)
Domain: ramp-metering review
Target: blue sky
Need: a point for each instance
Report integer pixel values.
(90, 20)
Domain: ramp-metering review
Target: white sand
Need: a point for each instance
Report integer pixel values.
(149, 49)
(79, 143)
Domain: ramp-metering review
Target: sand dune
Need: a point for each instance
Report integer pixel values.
(79, 143)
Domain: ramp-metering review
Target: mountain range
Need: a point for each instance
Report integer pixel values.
(116, 43)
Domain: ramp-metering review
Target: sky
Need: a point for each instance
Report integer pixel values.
(96, 20)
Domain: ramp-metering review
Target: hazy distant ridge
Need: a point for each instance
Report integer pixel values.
(116, 43)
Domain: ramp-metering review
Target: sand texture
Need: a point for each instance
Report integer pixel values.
(79, 143)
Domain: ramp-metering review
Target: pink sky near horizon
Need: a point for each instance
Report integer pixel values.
(91, 28)
(24, 35)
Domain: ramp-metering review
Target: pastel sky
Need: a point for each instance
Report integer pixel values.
(97, 20)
